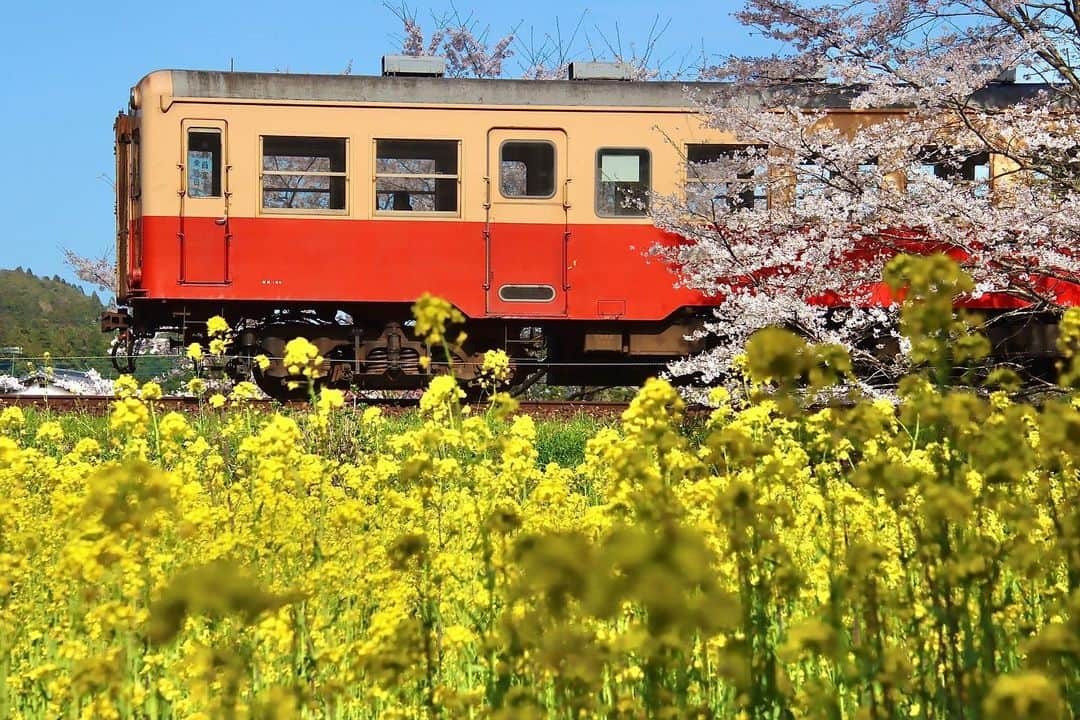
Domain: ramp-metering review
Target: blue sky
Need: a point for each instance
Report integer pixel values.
(70, 66)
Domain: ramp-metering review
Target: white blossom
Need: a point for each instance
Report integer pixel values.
(9, 384)
(91, 384)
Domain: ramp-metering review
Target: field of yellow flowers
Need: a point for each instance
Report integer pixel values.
(871, 560)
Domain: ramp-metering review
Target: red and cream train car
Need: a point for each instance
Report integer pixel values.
(323, 206)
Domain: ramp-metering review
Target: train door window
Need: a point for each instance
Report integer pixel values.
(527, 169)
(416, 176)
(622, 182)
(204, 163)
(734, 175)
(303, 174)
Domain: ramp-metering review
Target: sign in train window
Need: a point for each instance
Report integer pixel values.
(527, 169)
(416, 176)
(622, 183)
(204, 163)
(303, 174)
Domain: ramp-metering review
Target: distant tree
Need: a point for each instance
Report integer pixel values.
(46, 315)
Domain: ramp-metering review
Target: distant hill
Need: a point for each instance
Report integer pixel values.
(42, 314)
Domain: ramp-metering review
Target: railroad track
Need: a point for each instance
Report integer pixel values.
(100, 404)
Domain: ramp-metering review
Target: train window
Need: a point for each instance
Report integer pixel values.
(622, 183)
(416, 176)
(811, 181)
(203, 163)
(735, 175)
(527, 169)
(953, 164)
(305, 174)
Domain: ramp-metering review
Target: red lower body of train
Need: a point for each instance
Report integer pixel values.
(585, 304)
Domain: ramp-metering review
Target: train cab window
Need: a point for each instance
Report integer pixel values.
(735, 175)
(527, 169)
(204, 163)
(303, 174)
(622, 183)
(416, 176)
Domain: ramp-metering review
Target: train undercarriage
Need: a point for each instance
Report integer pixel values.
(375, 348)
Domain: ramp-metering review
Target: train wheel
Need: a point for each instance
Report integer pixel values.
(275, 380)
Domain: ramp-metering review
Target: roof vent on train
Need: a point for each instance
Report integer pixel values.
(601, 71)
(1007, 76)
(414, 65)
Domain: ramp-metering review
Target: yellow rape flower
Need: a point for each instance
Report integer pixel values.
(150, 391)
(372, 417)
(50, 432)
(432, 316)
(216, 326)
(302, 358)
(441, 394)
(174, 427)
(129, 415)
(125, 386)
(11, 420)
(1023, 695)
(196, 386)
(243, 391)
(496, 365)
(330, 399)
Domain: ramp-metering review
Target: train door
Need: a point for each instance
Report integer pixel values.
(204, 203)
(526, 233)
(128, 199)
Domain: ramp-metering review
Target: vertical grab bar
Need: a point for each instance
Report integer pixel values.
(487, 235)
(566, 236)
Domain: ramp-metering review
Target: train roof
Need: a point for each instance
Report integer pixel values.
(288, 87)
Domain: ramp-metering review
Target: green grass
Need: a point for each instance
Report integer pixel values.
(563, 440)
(558, 440)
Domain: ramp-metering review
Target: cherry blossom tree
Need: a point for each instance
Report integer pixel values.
(99, 272)
(460, 38)
(960, 159)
